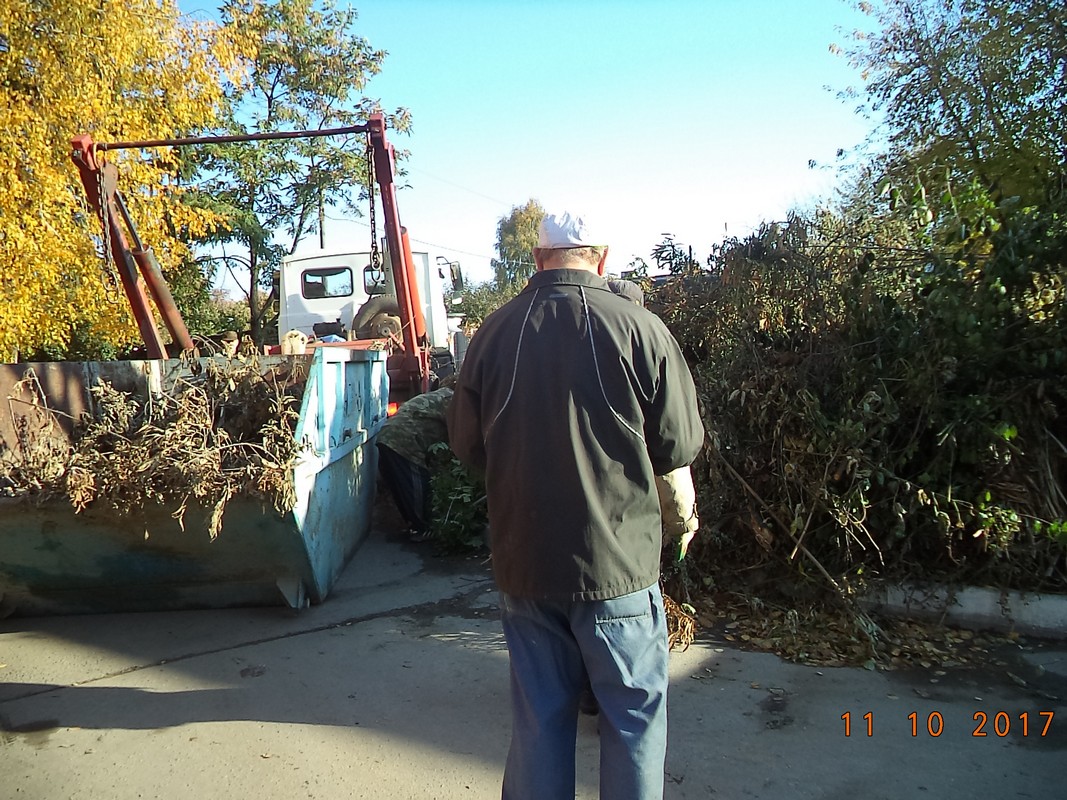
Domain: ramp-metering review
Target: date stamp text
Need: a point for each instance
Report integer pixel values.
(983, 724)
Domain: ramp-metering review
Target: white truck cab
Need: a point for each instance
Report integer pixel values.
(329, 288)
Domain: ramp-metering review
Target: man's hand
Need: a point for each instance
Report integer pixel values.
(683, 545)
(691, 526)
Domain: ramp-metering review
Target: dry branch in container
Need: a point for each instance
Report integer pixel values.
(223, 431)
(36, 459)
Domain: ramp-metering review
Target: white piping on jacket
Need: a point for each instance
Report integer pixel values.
(596, 366)
(515, 367)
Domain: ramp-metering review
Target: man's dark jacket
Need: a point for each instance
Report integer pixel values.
(572, 399)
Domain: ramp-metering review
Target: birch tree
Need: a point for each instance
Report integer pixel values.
(970, 87)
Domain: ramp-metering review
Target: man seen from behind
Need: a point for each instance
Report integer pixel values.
(572, 400)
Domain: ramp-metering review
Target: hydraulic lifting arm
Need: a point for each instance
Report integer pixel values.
(138, 267)
(414, 366)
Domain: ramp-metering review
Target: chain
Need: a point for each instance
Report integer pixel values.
(111, 278)
(375, 256)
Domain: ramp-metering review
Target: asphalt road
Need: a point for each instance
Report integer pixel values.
(396, 688)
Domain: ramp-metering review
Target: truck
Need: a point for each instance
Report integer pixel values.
(165, 552)
(350, 296)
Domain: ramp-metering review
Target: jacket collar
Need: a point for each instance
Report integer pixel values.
(573, 277)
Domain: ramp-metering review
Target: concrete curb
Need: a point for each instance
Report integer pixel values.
(977, 608)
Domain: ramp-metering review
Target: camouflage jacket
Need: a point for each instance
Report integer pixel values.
(417, 424)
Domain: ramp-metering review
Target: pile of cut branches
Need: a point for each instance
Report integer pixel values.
(877, 413)
(216, 433)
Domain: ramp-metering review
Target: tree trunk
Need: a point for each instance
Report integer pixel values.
(255, 315)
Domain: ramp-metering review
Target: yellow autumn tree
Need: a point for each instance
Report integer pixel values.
(119, 70)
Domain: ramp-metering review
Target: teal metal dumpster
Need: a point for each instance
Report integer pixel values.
(56, 561)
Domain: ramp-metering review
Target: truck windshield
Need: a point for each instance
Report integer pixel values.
(326, 282)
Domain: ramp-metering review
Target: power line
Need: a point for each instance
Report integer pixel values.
(420, 241)
(460, 186)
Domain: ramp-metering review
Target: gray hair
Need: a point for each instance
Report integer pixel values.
(583, 256)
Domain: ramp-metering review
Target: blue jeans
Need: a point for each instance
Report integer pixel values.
(621, 644)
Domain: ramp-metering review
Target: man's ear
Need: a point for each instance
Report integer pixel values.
(603, 261)
(539, 262)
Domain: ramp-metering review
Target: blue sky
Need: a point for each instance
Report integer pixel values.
(694, 117)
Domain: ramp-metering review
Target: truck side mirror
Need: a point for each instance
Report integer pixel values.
(454, 272)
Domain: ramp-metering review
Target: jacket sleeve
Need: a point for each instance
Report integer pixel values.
(674, 433)
(464, 417)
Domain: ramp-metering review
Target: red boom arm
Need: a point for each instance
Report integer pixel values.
(413, 366)
(137, 265)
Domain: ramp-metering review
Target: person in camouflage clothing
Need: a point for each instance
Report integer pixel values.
(403, 444)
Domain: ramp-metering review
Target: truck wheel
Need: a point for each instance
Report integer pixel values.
(381, 326)
(382, 304)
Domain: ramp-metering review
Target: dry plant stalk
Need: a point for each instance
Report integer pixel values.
(223, 432)
(681, 626)
(37, 460)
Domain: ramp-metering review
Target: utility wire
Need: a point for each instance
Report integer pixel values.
(431, 244)
(461, 186)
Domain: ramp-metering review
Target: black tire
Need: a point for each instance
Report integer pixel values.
(381, 326)
(382, 304)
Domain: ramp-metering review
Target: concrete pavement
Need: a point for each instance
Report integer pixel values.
(396, 688)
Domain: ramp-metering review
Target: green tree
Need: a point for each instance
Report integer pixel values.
(482, 299)
(307, 73)
(516, 237)
(970, 88)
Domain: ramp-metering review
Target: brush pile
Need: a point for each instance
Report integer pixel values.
(223, 428)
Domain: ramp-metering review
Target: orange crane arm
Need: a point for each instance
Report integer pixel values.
(138, 267)
(414, 366)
